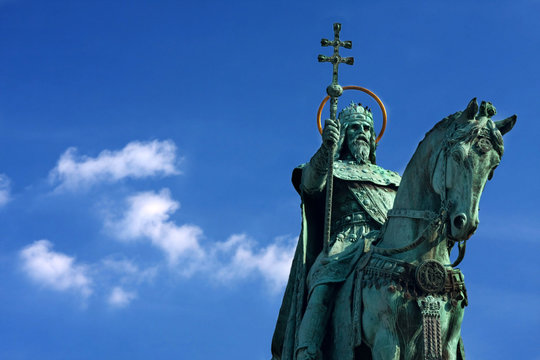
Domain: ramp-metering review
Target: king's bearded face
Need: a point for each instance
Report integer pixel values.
(358, 140)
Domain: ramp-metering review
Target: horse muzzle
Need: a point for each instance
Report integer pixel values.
(462, 227)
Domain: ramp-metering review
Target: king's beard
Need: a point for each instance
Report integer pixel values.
(359, 150)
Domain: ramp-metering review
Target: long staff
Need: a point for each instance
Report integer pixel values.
(334, 90)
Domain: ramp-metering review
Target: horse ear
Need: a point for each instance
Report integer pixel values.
(507, 124)
(471, 109)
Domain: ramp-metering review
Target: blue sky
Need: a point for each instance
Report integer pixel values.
(146, 209)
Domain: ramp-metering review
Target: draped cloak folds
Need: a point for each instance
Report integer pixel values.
(374, 188)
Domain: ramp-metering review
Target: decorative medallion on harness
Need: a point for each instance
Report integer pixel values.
(431, 276)
(401, 276)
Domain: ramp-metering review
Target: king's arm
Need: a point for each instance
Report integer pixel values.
(314, 172)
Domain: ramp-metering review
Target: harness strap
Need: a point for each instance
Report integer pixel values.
(417, 280)
(413, 214)
(436, 221)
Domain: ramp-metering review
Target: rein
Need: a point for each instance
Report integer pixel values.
(436, 221)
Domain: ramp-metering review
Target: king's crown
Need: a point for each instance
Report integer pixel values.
(354, 112)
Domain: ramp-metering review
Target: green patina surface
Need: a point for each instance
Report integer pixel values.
(381, 285)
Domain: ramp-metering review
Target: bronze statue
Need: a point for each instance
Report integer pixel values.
(372, 276)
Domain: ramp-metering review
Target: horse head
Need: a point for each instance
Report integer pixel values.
(472, 148)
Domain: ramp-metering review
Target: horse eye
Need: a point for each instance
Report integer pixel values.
(484, 145)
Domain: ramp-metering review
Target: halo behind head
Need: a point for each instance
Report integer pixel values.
(359, 88)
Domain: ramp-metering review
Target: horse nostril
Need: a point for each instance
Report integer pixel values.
(459, 221)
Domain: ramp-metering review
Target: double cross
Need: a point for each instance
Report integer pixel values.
(334, 90)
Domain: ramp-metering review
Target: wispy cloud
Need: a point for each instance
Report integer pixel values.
(120, 297)
(55, 270)
(127, 271)
(241, 257)
(5, 190)
(496, 227)
(524, 303)
(60, 272)
(136, 160)
(147, 218)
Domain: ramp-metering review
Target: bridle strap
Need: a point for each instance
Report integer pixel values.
(435, 222)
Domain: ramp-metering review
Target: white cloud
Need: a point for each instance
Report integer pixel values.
(148, 218)
(60, 272)
(5, 190)
(136, 160)
(54, 270)
(126, 271)
(272, 262)
(120, 297)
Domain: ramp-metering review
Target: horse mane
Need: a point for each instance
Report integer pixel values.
(441, 128)
(442, 125)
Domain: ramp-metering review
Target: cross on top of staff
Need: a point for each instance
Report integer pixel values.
(336, 59)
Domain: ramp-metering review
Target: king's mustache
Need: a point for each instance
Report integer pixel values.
(360, 139)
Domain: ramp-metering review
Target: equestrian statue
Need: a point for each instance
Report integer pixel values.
(372, 277)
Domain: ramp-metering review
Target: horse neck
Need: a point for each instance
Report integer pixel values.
(416, 193)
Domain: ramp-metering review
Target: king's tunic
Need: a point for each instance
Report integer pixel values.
(363, 194)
